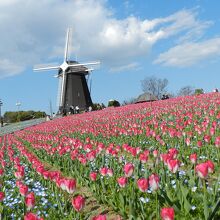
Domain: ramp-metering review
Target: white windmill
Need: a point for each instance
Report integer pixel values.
(73, 88)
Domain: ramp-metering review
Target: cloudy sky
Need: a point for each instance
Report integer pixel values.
(177, 40)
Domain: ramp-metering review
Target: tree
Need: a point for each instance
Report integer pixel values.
(186, 91)
(155, 86)
(199, 91)
(113, 103)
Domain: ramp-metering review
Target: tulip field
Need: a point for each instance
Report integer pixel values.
(154, 160)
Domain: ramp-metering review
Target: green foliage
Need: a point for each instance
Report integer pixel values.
(113, 103)
(11, 117)
(97, 106)
(199, 91)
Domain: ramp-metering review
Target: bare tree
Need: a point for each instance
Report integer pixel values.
(155, 86)
(186, 90)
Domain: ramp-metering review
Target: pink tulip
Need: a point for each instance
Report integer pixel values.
(142, 184)
(173, 165)
(23, 189)
(167, 214)
(2, 196)
(128, 169)
(1, 172)
(122, 181)
(154, 180)
(30, 200)
(211, 166)
(93, 176)
(155, 153)
(99, 217)
(31, 216)
(78, 203)
(143, 158)
(110, 172)
(199, 143)
(217, 141)
(202, 170)
(70, 185)
(193, 158)
(104, 171)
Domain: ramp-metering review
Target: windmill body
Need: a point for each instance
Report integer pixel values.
(73, 89)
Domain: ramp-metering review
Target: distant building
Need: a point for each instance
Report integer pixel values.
(146, 97)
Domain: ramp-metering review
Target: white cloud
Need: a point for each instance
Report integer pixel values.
(188, 54)
(128, 67)
(34, 31)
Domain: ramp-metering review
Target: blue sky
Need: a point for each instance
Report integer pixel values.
(177, 40)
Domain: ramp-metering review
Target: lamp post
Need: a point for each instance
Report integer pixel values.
(18, 104)
(1, 121)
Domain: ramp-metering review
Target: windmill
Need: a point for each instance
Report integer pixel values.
(73, 89)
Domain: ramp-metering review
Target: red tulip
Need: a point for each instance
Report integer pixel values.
(202, 170)
(99, 217)
(110, 172)
(93, 176)
(128, 169)
(122, 181)
(173, 165)
(78, 203)
(167, 214)
(154, 180)
(30, 200)
(2, 196)
(23, 189)
(142, 184)
(193, 158)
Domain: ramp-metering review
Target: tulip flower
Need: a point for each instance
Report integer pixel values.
(128, 169)
(2, 196)
(142, 184)
(110, 172)
(122, 181)
(143, 158)
(210, 165)
(99, 217)
(30, 200)
(31, 216)
(70, 185)
(155, 153)
(93, 176)
(154, 180)
(1, 172)
(173, 165)
(78, 203)
(104, 171)
(193, 158)
(23, 189)
(167, 213)
(202, 170)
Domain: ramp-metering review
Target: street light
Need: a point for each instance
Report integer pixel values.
(1, 121)
(18, 104)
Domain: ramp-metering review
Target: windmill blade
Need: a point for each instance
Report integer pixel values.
(67, 45)
(84, 64)
(46, 68)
